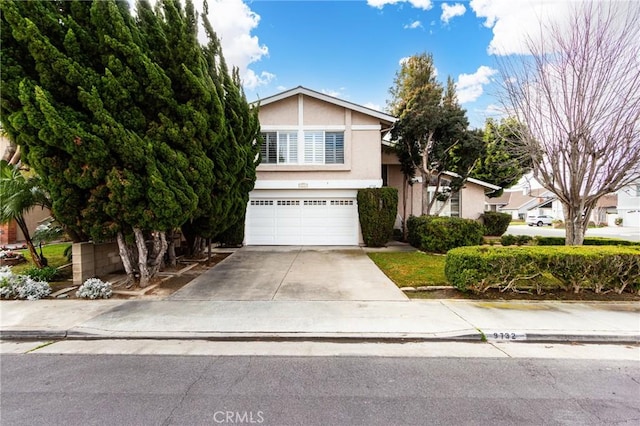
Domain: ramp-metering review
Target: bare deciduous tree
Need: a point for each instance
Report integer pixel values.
(578, 96)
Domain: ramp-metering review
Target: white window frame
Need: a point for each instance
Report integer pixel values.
(286, 147)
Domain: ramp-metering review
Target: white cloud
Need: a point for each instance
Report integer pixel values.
(413, 25)
(234, 21)
(403, 60)
(470, 86)
(450, 12)
(418, 4)
(373, 106)
(281, 88)
(335, 93)
(512, 21)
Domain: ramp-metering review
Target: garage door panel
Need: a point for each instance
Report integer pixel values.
(302, 221)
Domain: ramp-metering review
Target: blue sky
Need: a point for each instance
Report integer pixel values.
(352, 49)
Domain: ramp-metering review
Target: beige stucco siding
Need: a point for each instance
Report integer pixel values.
(471, 201)
(362, 119)
(362, 156)
(32, 219)
(319, 113)
(284, 112)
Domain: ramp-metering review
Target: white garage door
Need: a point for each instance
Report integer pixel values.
(302, 221)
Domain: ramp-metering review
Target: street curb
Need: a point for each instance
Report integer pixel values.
(314, 337)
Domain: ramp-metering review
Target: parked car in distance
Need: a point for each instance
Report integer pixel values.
(539, 220)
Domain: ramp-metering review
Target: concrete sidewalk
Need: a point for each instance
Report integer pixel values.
(418, 320)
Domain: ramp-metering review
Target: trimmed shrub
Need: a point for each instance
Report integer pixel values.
(522, 240)
(508, 240)
(377, 210)
(438, 234)
(588, 241)
(94, 288)
(48, 273)
(522, 268)
(495, 223)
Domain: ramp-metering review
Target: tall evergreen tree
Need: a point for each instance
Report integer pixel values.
(124, 118)
(502, 162)
(432, 131)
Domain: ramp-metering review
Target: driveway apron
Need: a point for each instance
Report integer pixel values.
(293, 273)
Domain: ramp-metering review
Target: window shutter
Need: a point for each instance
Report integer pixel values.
(314, 147)
(334, 148)
(268, 148)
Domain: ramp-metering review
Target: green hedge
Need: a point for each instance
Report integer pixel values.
(438, 234)
(588, 241)
(523, 268)
(234, 236)
(495, 224)
(377, 209)
(520, 240)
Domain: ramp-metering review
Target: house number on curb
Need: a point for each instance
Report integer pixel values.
(505, 335)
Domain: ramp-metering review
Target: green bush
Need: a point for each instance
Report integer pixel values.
(522, 268)
(508, 240)
(234, 236)
(377, 209)
(46, 274)
(522, 240)
(495, 223)
(588, 241)
(440, 234)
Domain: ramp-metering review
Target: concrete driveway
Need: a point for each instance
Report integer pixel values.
(293, 273)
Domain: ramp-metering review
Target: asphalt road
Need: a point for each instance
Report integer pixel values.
(195, 390)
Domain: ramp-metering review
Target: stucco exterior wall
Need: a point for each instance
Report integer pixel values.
(471, 201)
(362, 156)
(32, 219)
(319, 113)
(284, 112)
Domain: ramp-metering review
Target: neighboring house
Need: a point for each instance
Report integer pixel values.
(9, 232)
(318, 151)
(521, 203)
(629, 204)
(497, 203)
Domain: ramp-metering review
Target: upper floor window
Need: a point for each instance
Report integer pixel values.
(318, 147)
(324, 147)
(279, 147)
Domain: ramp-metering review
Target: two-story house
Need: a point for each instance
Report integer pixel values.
(318, 151)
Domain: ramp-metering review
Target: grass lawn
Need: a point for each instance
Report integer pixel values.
(53, 252)
(412, 269)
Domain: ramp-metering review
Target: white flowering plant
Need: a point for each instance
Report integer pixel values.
(95, 288)
(21, 286)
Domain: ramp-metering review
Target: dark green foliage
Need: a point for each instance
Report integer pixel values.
(588, 241)
(523, 239)
(432, 128)
(46, 274)
(495, 223)
(234, 236)
(130, 122)
(508, 240)
(502, 162)
(523, 268)
(377, 209)
(440, 234)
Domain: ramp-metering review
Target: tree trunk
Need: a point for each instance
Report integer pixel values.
(159, 249)
(143, 268)
(426, 204)
(125, 255)
(405, 189)
(171, 248)
(574, 225)
(32, 250)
